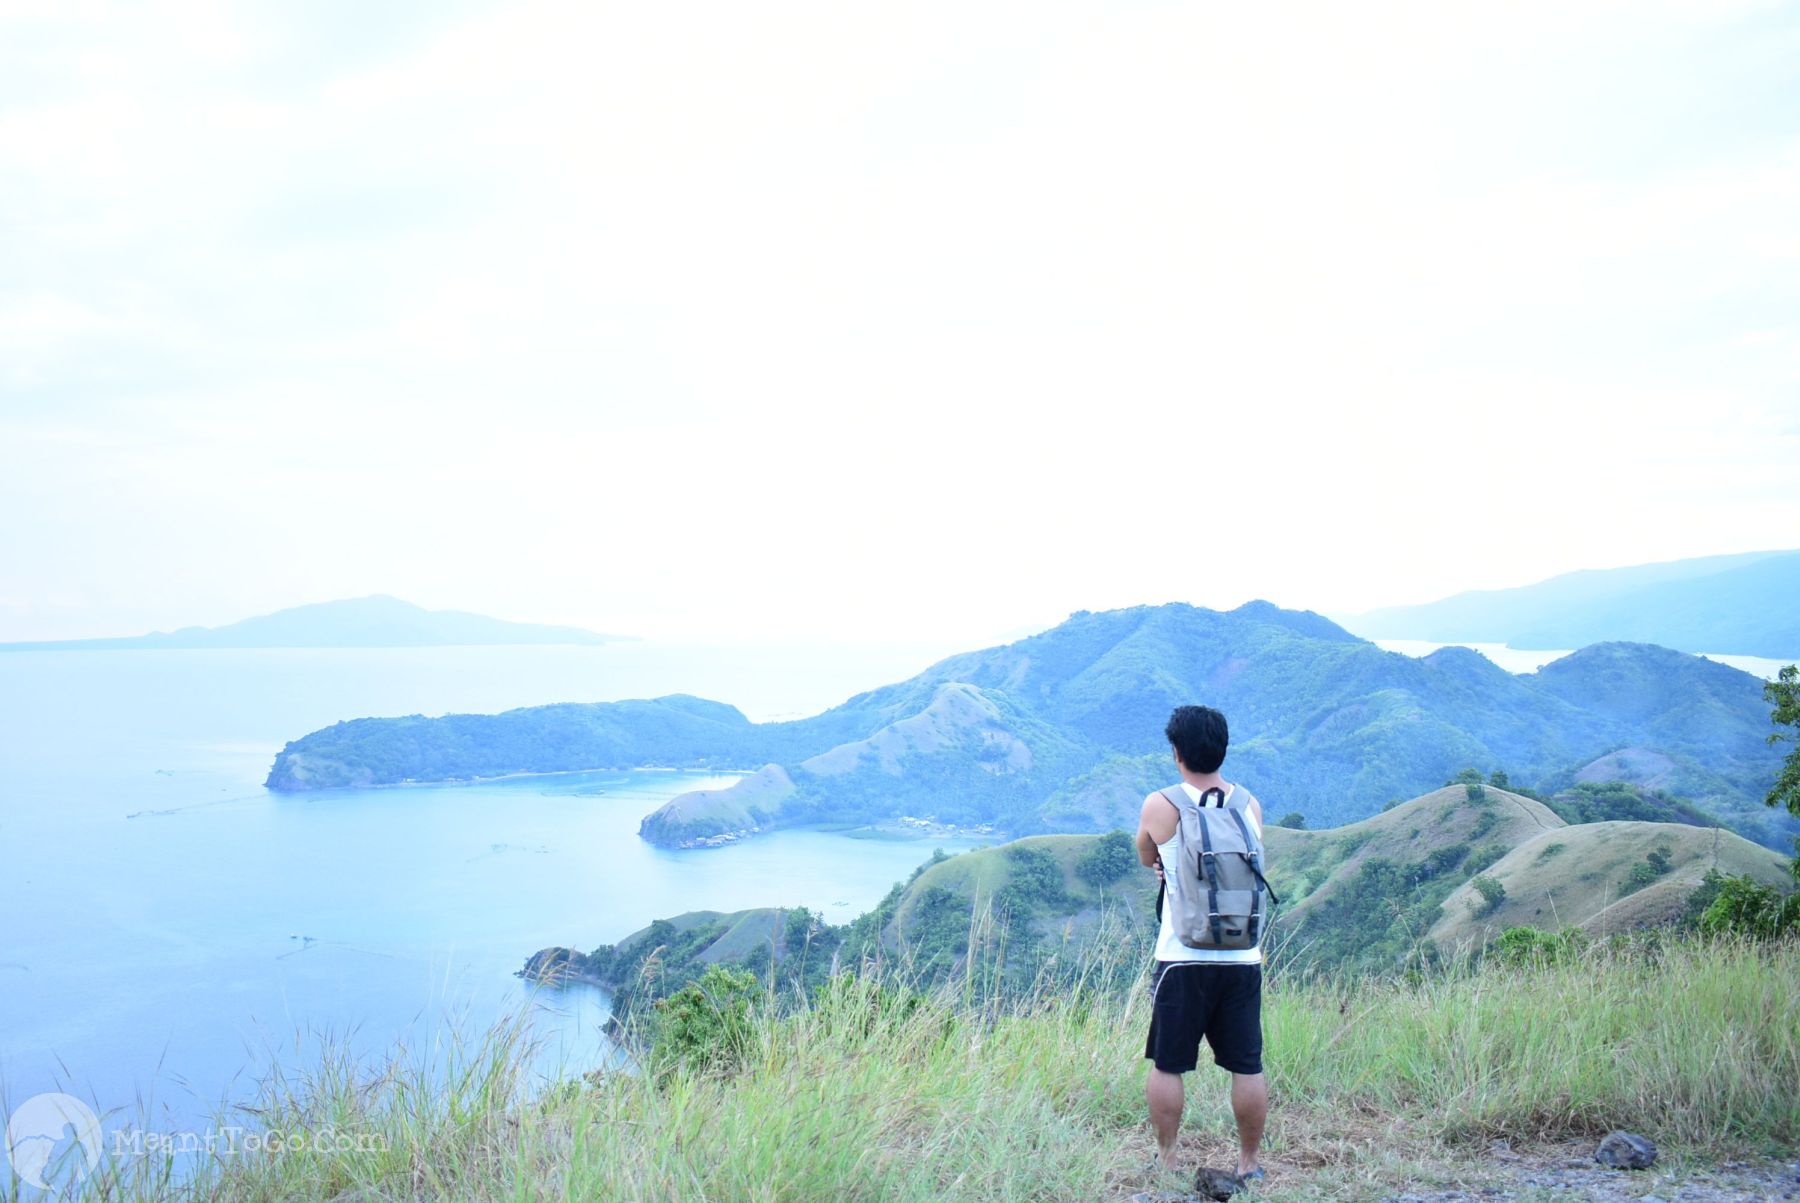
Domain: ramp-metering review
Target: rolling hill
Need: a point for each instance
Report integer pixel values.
(1730, 605)
(1601, 877)
(1063, 731)
(1397, 889)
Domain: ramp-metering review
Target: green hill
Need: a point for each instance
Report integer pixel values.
(1063, 730)
(1395, 890)
(1739, 604)
(677, 731)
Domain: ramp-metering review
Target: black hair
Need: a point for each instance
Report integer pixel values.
(1199, 736)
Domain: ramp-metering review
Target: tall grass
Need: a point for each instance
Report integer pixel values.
(869, 1093)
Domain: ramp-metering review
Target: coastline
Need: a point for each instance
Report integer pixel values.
(414, 783)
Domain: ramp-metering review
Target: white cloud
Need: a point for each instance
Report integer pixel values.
(798, 320)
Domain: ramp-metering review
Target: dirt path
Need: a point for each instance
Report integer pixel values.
(1564, 1173)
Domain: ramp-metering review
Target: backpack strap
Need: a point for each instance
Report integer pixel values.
(1255, 861)
(1211, 875)
(1169, 796)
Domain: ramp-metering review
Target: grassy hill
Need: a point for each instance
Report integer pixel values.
(1601, 877)
(1362, 895)
(1399, 890)
(707, 816)
(1062, 731)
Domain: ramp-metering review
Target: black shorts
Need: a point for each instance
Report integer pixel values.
(1195, 1000)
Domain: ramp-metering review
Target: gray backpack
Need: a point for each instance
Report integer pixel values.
(1216, 886)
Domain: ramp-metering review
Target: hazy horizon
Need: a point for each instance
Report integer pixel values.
(799, 323)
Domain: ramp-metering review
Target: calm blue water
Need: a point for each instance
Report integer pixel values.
(166, 924)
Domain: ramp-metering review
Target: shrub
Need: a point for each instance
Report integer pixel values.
(1293, 819)
(1519, 945)
(1493, 894)
(1035, 883)
(1475, 792)
(1525, 945)
(1743, 906)
(938, 857)
(1112, 856)
(1485, 855)
(709, 1023)
(1654, 865)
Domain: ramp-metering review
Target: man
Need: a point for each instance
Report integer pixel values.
(1202, 993)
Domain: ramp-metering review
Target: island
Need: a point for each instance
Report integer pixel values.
(1062, 732)
(374, 621)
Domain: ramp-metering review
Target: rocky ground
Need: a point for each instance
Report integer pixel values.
(1543, 1174)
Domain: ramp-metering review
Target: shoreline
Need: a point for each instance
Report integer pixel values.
(443, 781)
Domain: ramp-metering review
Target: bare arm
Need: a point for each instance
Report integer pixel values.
(1146, 850)
(1156, 823)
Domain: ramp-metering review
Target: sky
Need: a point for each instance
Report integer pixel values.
(921, 322)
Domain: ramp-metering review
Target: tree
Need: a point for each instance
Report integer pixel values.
(1293, 819)
(1493, 894)
(1744, 906)
(1499, 780)
(1528, 945)
(1784, 694)
(1112, 856)
(709, 1023)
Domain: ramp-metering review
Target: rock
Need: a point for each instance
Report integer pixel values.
(1625, 1151)
(1217, 1185)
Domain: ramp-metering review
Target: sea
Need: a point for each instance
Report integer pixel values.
(171, 933)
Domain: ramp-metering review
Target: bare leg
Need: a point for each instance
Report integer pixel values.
(1165, 1097)
(1250, 1107)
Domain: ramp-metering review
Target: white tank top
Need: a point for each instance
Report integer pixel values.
(1168, 946)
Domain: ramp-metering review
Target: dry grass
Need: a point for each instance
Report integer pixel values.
(1376, 1087)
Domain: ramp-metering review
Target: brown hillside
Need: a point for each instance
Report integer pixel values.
(1308, 867)
(1579, 876)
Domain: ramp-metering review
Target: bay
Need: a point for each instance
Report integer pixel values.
(170, 927)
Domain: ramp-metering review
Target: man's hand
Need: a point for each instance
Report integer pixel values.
(1158, 867)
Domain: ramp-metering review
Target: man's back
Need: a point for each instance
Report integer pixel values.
(1211, 994)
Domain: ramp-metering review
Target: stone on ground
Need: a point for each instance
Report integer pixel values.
(1625, 1151)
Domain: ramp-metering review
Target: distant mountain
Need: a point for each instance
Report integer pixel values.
(1375, 895)
(1730, 605)
(1062, 731)
(375, 621)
